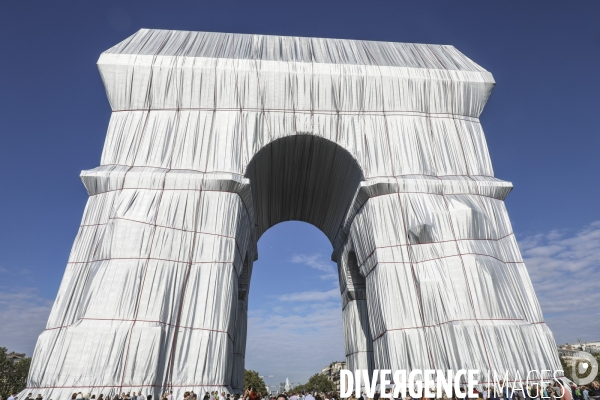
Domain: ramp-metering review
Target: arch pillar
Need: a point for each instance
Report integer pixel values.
(444, 276)
(358, 342)
(162, 253)
(241, 325)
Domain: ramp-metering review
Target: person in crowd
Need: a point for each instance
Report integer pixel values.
(13, 396)
(520, 394)
(251, 394)
(578, 395)
(552, 393)
(506, 391)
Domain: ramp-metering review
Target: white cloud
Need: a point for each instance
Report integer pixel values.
(333, 277)
(313, 295)
(317, 262)
(565, 271)
(299, 340)
(301, 332)
(23, 314)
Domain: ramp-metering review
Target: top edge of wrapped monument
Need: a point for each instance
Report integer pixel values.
(293, 49)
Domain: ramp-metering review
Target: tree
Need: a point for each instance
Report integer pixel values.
(251, 379)
(318, 381)
(13, 376)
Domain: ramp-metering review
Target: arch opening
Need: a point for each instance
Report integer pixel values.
(294, 304)
(305, 178)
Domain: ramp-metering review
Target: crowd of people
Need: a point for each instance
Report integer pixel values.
(551, 391)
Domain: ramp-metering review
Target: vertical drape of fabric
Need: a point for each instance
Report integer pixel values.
(216, 137)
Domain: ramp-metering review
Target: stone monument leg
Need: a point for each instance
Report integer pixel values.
(161, 252)
(241, 327)
(446, 286)
(357, 334)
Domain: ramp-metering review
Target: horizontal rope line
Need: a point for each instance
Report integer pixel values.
(143, 320)
(118, 387)
(428, 243)
(498, 381)
(355, 213)
(196, 190)
(359, 351)
(226, 191)
(182, 230)
(514, 381)
(457, 320)
(439, 258)
(163, 226)
(412, 113)
(196, 385)
(151, 258)
(403, 176)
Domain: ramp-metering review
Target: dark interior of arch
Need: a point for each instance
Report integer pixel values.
(304, 178)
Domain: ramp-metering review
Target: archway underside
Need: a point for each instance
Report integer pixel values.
(304, 178)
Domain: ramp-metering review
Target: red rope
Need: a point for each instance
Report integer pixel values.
(459, 320)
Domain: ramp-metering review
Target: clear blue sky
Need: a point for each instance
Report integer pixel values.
(542, 126)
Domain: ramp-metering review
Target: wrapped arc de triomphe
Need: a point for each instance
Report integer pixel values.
(216, 137)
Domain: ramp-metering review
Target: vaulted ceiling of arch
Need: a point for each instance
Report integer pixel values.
(304, 178)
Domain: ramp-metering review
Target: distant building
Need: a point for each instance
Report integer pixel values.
(332, 371)
(569, 349)
(571, 352)
(14, 357)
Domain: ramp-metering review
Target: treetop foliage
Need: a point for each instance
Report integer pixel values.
(252, 379)
(13, 376)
